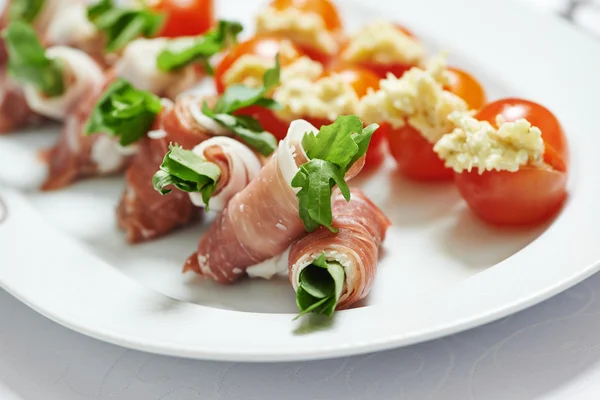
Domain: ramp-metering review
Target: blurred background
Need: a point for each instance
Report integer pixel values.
(583, 13)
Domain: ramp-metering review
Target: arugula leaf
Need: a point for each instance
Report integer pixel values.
(246, 128)
(316, 179)
(24, 10)
(27, 61)
(320, 287)
(124, 112)
(334, 143)
(332, 152)
(184, 51)
(237, 97)
(188, 172)
(122, 25)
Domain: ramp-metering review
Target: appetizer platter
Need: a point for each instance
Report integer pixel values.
(327, 178)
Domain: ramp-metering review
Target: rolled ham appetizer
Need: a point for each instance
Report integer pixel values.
(158, 66)
(145, 214)
(81, 75)
(54, 80)
(239, 166)
(14, 110)
(77, 156)
(142, 213)
(276, 208)
(332, 271)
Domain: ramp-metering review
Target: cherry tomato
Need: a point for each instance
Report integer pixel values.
(361, 79)
(413, 153)
(323, 8)
(381, 70)
(530, 195)
(512, 109)
(465, 86)
(262, 46)
(185, 17)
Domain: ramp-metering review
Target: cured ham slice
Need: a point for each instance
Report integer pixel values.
(262, 220)
(82, 75)
(77, 155)
(238, 164)
(361, 228)
(144, 213)
(4, 18)
(14, 109)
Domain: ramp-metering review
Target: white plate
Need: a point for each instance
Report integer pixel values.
(442, 271)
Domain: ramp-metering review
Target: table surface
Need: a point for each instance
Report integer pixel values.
(551, 351)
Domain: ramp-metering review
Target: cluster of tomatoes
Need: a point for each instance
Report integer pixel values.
(530, 195)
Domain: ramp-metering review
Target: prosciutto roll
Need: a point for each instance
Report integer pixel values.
(262, 220)
(361, 228)
(238, 164)
(14, 109)
(77, 155)
(145, 214)
(82, 75)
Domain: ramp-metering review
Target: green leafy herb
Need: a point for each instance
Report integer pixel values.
(27, 61)
(188, 172)
(331, 153)
(24, 10)
(316, 179)
(184, 51)
(246, 128)
(237, 97)
(320, 287)
(121, 25)
(124, 112)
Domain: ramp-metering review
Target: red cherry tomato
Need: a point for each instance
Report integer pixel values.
(185, 17)
(324, 9)
(361, 79)
(530, 195)
(465, 86)
(381, 70)
(262, 46)
(413, 153)
(512, 109)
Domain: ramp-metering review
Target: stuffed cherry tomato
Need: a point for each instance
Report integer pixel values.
(185, 17)
(319, 100)
(383, 47)
(314, 25)
(508, 175)
(512, 109)
(249, 60)
(419, 116)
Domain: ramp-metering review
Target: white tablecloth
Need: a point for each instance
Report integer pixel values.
(551, 351)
